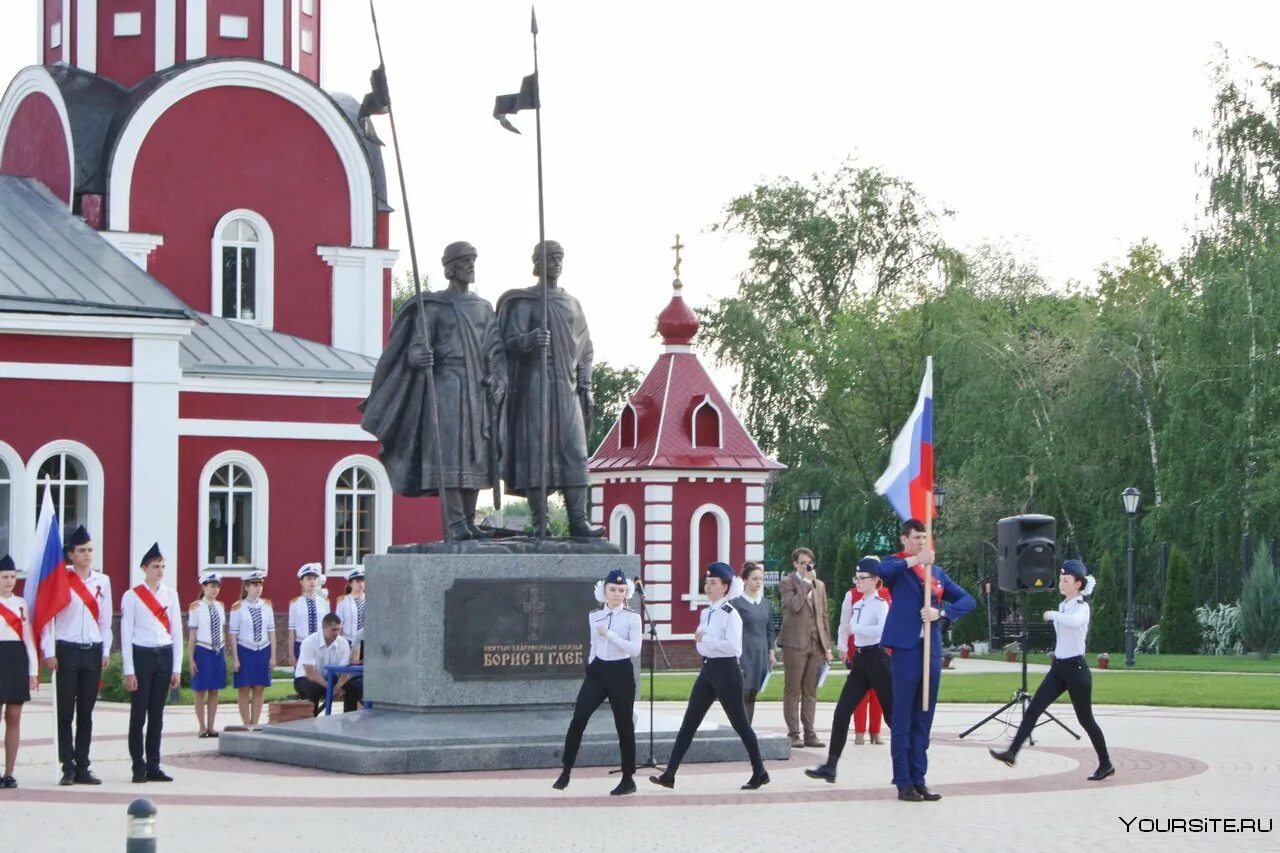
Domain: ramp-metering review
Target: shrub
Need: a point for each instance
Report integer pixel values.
(1179, 631)
(1219, 629)
(1106, 605)
(1260, 608)
(1149, 641)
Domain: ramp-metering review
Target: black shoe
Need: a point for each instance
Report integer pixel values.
(926, 794)
(664, 780)
(86, 778)
(626, 786)
(1103, 771)
(822, 771)
(1007, 757)
(757, 780)
(585, 531)
(139, 776)
(909, 795)
(479, 532)
(8, 782)
(68, 777)
(562, 781)
(158, 775)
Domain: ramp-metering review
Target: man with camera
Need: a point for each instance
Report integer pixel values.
(805, 639)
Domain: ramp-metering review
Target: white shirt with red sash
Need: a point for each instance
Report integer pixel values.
(13, 611)
(141, 626)
(77, 623)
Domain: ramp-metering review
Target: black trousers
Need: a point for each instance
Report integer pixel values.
(749, 702)
(870, 672)
(613, 680)
(720, 679)
(79, 670)
(153, 667)
(352, 693)
(1072, 676)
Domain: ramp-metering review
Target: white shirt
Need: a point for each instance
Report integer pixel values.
(140, 627)
(316, 653)
(240, 625)
(298, 619)
(18, 606)
(1071, 622)
(75, 624)
(201, 621)
(349, 612)
(622, 642)
(721, 627)
(863, 620)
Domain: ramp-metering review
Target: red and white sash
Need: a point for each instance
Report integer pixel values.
(78, 587)
(152, 603)
(14, 619)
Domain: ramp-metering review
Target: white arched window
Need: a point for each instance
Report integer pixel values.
(357, 512)
(706, 427)
(233, 514)
(622, 528)
(74, 475)
(244, 268)
(11, 475)
(708, 542)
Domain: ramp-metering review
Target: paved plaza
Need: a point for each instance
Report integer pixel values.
(1172, 763)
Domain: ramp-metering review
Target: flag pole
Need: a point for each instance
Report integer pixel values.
(928, 589)
(433, 414)
(544, 445)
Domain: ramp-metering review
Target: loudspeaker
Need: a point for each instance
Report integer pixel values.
(1025, 547)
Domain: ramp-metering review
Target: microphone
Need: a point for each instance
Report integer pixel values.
(639, 586)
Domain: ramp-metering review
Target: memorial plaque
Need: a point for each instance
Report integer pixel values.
(497, 629)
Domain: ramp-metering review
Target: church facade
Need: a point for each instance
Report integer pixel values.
(194, 288)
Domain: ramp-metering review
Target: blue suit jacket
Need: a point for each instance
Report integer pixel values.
(902, 626)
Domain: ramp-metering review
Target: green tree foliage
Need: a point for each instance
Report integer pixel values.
(1106, 606)
(1260, 607)
(402, 290)
(1179, 630)
(611, 387)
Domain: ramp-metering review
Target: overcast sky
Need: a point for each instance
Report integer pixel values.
(1063, 130)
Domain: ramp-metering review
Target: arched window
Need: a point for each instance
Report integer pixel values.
(706, 429)
(233, 514)
(244, 268)
(75, 480)
(708, 542)
(627, 427)
(622, 528)
(358, 502)
(6, 508)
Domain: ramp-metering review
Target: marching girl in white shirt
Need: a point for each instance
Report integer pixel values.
(1069, 672)
(19, 666)
(206, 624)
(615, 638)
(253, 647)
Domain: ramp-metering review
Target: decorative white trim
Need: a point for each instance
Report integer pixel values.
(693, 421)
(40, 33)
(657, 572)
(306, 41)
(694, 596)
(18, 506)
(657, 533)
(357, 296)
(274, 386)
(273, 31)
(659, 612)
(657, 592)
(381, 510)
(153, 454)
(657, 553)
(754, 514)
(675, 475)
(662, 414)
(93, 327)
(755, 552)
(197, 29)
(55, 36)
(86, 34)
(251, 75)
(166, 33)
(294, 27)
(264, 287)
(261, 514)
(753, 533)
(623, 512)
(597, 495)
(755, 494)
(657, 512)
(96, 490)
(30, 81)
(64, 29)
(127, 24)
(322, 42)
(65, 372)
(233, 26)
(133, 245)
(294, 430)
(657, 494)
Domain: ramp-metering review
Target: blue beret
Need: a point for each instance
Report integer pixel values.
(153, 553)
(869, 566)
(615, 576)
(724, 571)
(79, 536)
(1075, 567)
(6, 564)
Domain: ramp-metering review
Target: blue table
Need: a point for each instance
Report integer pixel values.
(331, 675)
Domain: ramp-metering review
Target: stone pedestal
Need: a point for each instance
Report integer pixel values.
(473, 662)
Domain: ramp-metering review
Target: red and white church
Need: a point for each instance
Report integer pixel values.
(194, 289)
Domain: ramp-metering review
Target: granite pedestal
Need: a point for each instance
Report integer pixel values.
(470, 665)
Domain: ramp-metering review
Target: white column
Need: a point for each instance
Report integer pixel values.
(166, 33)
(133, 245)
(273, 31)
(295, 34)
(657, 554)
(42, 35)
(65, 55)
(86, 34)
(197, 28)
(153, 455)
(357, 296)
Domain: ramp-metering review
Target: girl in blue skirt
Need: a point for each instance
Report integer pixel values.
(253, 647)
(206, 629)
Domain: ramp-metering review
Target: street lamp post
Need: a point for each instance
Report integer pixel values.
(1132, 499)
(810, 506)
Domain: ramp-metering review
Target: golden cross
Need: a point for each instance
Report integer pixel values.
(678, 246)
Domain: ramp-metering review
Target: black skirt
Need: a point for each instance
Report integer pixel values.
(15, 684)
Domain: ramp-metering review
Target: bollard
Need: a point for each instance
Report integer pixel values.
(141, 837)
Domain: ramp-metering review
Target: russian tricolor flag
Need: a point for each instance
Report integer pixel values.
(46, 590)
(908, 481)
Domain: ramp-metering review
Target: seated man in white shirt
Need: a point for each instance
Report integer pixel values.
(321, 650)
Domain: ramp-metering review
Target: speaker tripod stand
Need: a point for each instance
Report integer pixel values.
(1021, 697)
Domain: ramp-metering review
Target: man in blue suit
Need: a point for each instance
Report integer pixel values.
(904, 629)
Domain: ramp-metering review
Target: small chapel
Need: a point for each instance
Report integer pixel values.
(195, 284)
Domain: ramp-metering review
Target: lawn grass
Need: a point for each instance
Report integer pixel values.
(1172, 663)
(1172, 689)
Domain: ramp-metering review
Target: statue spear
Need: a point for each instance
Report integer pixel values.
(544, 460)
(382, 92)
